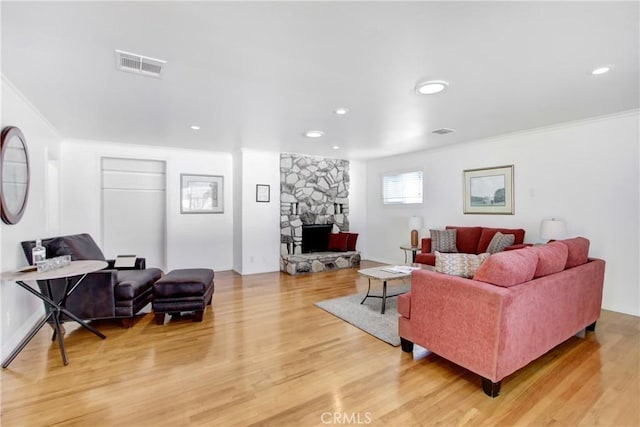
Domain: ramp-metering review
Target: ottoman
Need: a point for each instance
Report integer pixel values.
(189, 289)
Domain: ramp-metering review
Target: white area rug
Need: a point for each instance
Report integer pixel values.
(367, 316)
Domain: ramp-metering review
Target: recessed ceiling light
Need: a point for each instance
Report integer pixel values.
(195, 127)
(336, 147)
(602, 70)
(430, 87)
(341, 111)
(313, 133)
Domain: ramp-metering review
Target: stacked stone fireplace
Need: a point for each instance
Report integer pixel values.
(313, 191)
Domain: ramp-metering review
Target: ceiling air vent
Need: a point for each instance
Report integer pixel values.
(442, 131)
(139, 64)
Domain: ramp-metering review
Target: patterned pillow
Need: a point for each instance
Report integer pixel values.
(443, 241)
(500, 241)
(463, 265)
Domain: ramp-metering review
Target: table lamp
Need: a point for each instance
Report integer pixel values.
(552, 229)
(415, 224)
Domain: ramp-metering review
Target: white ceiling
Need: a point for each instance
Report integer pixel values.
(259, 74)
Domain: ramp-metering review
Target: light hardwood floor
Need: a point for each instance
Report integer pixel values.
(265, 355)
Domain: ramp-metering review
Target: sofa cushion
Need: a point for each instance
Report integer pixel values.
(508, 268)
(338, 242)
(79, 246)
(578, 251)
(443, 241)
(551, 258)
(499, 242)
(132, 283)
(352, 238)
(466, 238)
(187, 282)
(463, 265)
(428, 259)
(488, 233)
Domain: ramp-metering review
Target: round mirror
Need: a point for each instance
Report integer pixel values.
(14, 171)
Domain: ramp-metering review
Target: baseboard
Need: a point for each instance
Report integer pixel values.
(382, 261)
(12, 342)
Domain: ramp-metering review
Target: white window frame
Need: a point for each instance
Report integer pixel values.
(403, 188)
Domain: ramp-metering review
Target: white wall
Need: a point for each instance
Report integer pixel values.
(260, 221)
(202, 240)
(257, 225)
(237, 211)
(358, 204)
(19, 309)
(586, 173)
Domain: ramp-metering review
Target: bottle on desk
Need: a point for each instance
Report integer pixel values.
(38, 253)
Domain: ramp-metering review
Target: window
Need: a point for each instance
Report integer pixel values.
(401, 189)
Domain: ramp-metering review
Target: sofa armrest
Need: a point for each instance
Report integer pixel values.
(458, 319)
(141, 264)
(426, 245)
(94, 298)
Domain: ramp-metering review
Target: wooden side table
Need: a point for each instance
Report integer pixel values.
(414, 250)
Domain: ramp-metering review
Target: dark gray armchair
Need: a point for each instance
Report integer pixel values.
(105, 294)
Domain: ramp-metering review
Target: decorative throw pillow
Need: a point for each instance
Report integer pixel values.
(463, 265)
(79, 246)
(500, 241)
(338, 242)
(443, 241)
(352, 238)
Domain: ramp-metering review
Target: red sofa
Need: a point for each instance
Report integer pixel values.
(470, 240)
(519, 305)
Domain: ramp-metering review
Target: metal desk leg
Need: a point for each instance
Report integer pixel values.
(61, 308)
(384, 295)
(82, 323)
(63, 352)
(54, 309)
(32, 333)
(368, 289)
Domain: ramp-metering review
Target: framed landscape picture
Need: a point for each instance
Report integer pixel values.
(489, 190)
(201, 194)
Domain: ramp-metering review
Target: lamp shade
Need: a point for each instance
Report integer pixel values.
(552, 229)
(415, 223)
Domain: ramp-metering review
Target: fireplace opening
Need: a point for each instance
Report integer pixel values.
(315, 238)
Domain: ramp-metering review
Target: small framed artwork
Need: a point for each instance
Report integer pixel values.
(263, 193)
(201, 194)
(489, 190)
